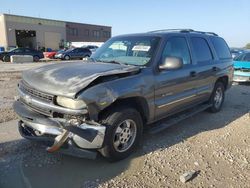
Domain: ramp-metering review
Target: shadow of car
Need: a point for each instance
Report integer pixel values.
(36, 54)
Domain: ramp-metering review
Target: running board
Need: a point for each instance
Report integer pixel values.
(165, 123)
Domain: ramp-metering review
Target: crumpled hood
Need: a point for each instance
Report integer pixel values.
(241, 64)
(67, 79)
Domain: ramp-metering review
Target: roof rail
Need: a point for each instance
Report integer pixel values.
(207, 33)
(165, 30)
(183, 31)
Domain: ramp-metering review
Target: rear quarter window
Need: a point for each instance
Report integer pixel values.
(221, 48)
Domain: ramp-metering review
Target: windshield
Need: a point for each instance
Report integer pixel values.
(131, 50)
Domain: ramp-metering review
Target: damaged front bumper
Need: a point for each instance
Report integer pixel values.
(78, 139)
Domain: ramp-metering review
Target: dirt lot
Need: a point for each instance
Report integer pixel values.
(215, 145)
(8, 84)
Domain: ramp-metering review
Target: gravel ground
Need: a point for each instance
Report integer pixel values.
(8, 84)
(216, 146)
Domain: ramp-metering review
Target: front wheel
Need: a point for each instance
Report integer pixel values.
(123, 133)
(67, 57)
(217, 97)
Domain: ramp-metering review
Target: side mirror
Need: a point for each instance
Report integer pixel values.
(171, 63)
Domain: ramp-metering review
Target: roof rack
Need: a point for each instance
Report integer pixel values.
(183, 31)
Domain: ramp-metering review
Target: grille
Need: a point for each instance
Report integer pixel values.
(35, 93)
(37, 109)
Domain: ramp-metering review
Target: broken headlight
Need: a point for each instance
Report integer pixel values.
(70, 103)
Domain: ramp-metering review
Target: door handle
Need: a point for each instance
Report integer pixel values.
(214, 69)
(193, 74)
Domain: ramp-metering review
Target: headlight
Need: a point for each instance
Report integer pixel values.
(70, 103)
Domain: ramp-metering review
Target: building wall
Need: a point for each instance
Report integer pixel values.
(77, 32)
(41, 26)
(46, 29)
(3, 37)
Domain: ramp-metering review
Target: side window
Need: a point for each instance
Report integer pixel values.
(202, 51)
(247, 57)
(27, 50)
(18, 50)
(177, 47)
(221, 48)
(81, 50)
(239, 57)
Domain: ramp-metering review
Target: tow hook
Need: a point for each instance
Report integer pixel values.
(59, 141)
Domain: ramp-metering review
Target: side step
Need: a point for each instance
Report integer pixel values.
(165, 123)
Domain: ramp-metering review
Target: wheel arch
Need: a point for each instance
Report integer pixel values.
(224, 80)
(139, 103)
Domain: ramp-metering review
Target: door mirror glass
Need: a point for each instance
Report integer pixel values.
(171, 63)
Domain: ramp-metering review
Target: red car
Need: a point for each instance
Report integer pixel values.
(50, 55)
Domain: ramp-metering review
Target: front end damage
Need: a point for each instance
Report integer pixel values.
(65, 133)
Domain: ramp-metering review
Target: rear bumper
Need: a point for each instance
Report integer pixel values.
(79, 139)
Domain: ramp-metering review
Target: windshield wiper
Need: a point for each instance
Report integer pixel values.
(112, 61)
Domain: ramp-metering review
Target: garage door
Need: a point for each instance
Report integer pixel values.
(52, 40)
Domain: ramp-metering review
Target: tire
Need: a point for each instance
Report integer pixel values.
(6, 58)
(123, 125)
(66, 57)
(217, 97)
(36, 58)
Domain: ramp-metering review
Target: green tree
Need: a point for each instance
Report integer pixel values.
(248, 46)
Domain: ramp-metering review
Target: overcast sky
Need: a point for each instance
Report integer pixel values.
(229, 18)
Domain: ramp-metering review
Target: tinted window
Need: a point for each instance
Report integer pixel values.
(221, 48)
(28, 50)
(202, 51)
(18, 50)
(81, 50)
(85, 50)
(77, 50)
(177, 47)
(247, 57)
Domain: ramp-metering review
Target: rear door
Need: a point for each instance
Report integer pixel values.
(83, 52)
(205, 67)
(175, 90)
(74, 54)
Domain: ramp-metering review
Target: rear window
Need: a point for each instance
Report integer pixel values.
(221, 48)
(201, 49)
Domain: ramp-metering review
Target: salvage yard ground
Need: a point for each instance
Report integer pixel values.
(214, 145)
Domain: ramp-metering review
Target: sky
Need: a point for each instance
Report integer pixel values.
(228, 18)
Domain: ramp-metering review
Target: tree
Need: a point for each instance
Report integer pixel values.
(248, 46)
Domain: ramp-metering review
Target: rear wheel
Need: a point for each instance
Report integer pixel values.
(6, 58)
(217, 97)
(36, 58)
(123, 133)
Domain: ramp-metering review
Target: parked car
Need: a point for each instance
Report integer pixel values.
(104, 104)
(50, 55)
(37, 55)
(242, 68)
(236, 52)
(74, 53)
